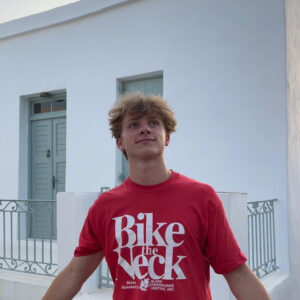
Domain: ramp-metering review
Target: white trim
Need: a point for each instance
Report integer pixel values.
(58, 15)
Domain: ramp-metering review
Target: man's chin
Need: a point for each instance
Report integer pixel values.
(147, 155)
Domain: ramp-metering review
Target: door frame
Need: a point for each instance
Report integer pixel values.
(42, 116)
(31, 118)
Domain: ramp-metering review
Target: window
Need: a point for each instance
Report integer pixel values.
(52, 104)
(147, 86)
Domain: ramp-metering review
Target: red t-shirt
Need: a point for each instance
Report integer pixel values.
(160, 240)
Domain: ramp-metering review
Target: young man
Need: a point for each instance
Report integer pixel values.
(159, 231)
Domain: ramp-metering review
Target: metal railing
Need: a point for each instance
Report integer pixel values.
(261, 237)
(28, 236)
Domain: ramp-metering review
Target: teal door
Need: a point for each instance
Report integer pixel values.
(150, 86)
(48, 162)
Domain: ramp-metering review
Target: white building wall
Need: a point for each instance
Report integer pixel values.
(223, 69)
(293, 78)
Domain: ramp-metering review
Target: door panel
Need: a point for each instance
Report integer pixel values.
(48, 156)
(59, 160)
(59, 154)
(41, 163)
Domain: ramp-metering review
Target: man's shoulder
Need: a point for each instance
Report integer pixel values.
(111, 193)
(194, 184)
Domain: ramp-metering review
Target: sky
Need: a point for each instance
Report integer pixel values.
(15, 9)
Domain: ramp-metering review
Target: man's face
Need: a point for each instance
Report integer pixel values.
(143, 137)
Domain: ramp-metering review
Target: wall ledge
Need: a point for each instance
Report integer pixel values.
(273, 279)
(33, 279)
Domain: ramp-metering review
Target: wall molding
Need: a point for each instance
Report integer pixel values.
(57, 16)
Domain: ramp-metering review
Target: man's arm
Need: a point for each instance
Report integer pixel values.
(245, 285)
(69, 281)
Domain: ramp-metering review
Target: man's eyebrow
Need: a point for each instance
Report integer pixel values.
(133, 119)
(150, 117)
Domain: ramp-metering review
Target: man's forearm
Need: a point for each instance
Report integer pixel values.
(252, 289)
(245, 285)
(64, 287)
(69, 281)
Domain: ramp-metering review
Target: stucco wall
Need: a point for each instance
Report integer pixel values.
(223, 65)
(293, 98)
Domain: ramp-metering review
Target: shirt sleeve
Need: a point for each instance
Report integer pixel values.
(89, 241)
(221, 247)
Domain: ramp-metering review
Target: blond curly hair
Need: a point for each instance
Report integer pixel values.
(139, 105)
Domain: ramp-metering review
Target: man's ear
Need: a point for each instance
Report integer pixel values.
(119, 144)
(167, 139)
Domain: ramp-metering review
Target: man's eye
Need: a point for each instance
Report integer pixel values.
(154, 122)
(133, 125)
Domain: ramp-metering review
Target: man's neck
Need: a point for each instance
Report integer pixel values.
(149, 172)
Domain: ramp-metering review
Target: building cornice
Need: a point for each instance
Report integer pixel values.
(57, 16)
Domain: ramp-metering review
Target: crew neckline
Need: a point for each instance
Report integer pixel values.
(154, 187)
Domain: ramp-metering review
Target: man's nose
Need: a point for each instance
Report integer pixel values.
(145, 128)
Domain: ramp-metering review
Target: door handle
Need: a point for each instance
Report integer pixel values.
(53, 182)
(48, 153)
